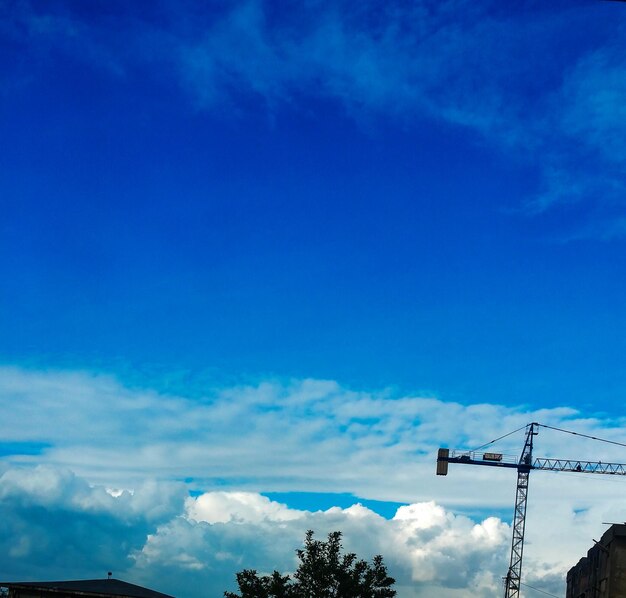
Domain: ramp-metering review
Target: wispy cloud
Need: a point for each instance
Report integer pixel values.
(459, 62)
(395, 59)
(594, 101)
(586, 119)
(548, 86)
(308, 435)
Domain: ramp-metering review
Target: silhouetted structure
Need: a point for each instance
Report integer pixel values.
(87, 588)
(602, 573)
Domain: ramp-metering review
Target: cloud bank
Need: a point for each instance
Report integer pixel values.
(166, 490)
(56, 525)
(299, 435)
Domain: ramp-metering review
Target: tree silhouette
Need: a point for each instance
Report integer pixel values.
(323, 572)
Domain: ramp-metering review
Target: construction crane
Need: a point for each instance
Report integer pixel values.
(524, 465)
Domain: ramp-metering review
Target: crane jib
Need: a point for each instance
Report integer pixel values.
(542, 463)
(579, 466)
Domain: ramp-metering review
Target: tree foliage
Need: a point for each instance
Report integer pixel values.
(323, 572)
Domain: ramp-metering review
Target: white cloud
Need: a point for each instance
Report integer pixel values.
(304, 435)
(225, 507)
(301, 435)
(54, 523)
(196, 549)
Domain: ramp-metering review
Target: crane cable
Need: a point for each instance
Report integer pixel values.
(496, 440)
(552, 428)
(538, 590)
(579, 434)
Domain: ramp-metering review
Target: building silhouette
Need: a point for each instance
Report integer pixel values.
(602, 573)
(87, 588)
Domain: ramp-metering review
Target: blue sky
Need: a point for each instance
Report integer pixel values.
(171, 202)
(315, 218)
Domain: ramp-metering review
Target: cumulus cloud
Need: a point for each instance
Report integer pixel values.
(225, 507)
(195, 549)
(126, 508)
(55, 524)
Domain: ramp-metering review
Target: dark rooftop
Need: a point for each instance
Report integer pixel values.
(89, 587)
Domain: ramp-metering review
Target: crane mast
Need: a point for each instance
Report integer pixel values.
(523, 465)
(514, 574)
